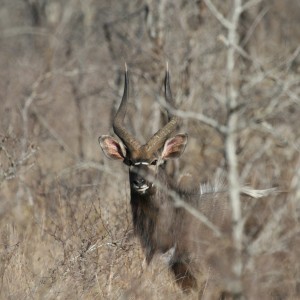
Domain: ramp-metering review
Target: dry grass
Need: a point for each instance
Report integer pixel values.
(65, 220)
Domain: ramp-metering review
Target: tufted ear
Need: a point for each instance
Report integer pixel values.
(112, 148)
(175, 146)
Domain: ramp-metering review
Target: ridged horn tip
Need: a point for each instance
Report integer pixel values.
(158, 139)
(118, 126)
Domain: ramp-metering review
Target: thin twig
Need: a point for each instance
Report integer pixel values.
(226, 23)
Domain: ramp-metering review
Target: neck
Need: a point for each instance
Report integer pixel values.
(152, 215)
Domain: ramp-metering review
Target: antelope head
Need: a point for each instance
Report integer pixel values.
(144, 161)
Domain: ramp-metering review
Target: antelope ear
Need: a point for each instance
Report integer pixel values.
(175, 146)
(111, 147)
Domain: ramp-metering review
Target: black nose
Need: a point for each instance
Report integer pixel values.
(139, 181)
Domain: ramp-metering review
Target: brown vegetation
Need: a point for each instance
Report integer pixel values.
(65, 223)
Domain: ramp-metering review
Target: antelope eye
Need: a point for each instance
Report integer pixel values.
(128, 162)
(154, 162)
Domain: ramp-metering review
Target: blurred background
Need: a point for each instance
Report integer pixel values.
(65, 223)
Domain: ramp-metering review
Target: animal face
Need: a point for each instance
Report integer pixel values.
(141, 177)
(143, 165)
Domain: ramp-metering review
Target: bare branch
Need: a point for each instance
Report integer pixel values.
(250, 4)
(194, 116)
(231, 149)
(226, 23)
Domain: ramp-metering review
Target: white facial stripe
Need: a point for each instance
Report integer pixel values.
(141, 189)
(141, 163)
